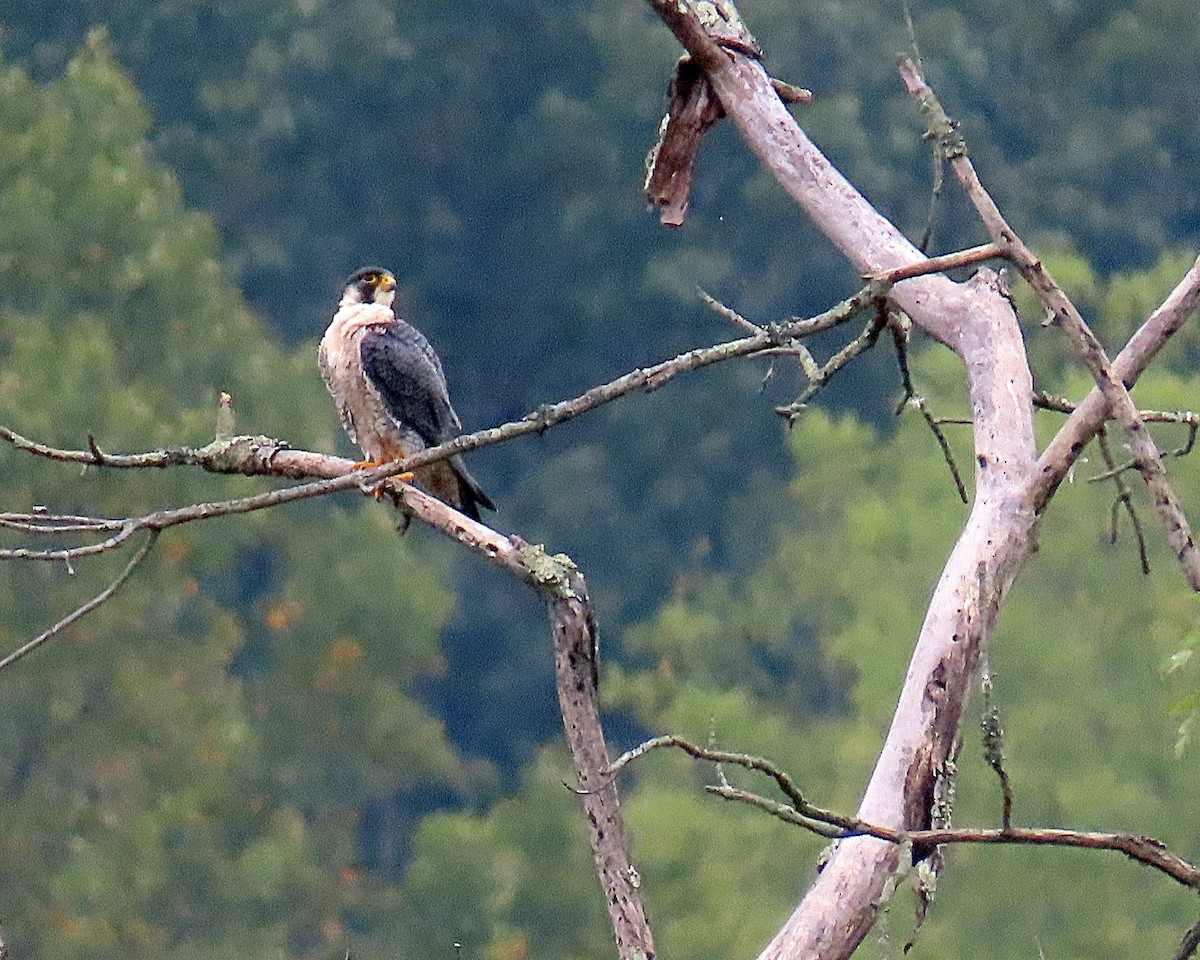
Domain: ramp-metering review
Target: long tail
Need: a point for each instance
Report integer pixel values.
(470, 494)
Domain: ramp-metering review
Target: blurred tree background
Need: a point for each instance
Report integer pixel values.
(293, 733)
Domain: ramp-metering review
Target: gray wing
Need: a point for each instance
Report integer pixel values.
(407, 374)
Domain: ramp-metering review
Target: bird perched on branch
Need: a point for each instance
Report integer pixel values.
(389, 387)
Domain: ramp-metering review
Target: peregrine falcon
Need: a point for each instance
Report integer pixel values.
(389, 387)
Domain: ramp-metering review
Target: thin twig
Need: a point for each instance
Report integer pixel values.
(1115, 469)
(782, 779)
(939, 163)
(49, 523)
(1143, 850)
(917, 402)
(939, 264)
(85, 608)
(126, 530)
(1124, 499)
(94, 456)
(912, 398)
(800, 812)
(723, 310)
(819, 376)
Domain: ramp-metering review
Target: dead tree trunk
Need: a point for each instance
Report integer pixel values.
(1012, 485)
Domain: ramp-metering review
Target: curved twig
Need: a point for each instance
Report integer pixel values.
(801, 812)
(85, 608)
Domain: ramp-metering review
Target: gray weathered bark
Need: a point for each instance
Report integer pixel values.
(1012, 486)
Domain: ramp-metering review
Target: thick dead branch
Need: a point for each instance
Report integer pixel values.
(692, 108)
(573, 628)
(976, 320)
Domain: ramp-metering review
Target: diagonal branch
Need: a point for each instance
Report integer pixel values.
(85, 608)
(1088, 417)
(1066, 315)
(264, 456)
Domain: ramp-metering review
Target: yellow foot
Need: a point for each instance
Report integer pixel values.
(406, 477)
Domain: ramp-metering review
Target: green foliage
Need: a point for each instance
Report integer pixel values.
(184, 771)
(517, 883)
(198, 769)
(493, 157)
(799, 657)
(857, 548)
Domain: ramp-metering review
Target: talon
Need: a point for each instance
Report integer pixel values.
(406, 477)
(378, 490)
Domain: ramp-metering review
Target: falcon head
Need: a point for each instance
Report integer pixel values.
(370, 285)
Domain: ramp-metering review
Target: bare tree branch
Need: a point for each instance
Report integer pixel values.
(800, 812)
(820, 375)
(900, 333)
(85, 608)
(939, 264)
(573, 631)
(1089, 416)
(554, 578)
(1012, 486)
(42, 522)
(1067, 316)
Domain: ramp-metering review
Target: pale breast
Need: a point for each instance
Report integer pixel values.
(363, 414)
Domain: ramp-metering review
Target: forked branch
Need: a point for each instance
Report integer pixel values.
(1012, 484)
(1091, 353)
